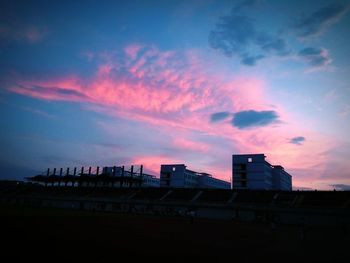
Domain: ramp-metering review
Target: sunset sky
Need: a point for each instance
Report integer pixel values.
(157, 82)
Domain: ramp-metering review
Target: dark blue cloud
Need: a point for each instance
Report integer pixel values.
(235, 34)
(218, 116)
(252, 118)
(343, 187)
(274, 45)
(297, 140)
(319, 21)
(251, 61)
(315, 57)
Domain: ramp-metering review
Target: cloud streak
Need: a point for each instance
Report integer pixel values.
(51, 93)
(319, 21)
(22, 33)
(317, 58)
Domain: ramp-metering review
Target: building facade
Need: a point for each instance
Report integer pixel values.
(252, 171)
(281, 179)
(177, 175)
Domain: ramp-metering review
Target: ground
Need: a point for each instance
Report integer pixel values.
(30, 232)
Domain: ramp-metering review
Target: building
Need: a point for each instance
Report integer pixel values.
(252, 171)
(176, 175)
(281, 179)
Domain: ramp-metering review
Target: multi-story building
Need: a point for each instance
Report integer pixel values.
(252, 171)
(176, 175)
(281, 180)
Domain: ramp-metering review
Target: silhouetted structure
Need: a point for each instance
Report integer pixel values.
(177, 175)
(115, 176)
(304, 208)
(252, 171)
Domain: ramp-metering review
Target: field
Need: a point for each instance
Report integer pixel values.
(67, 234)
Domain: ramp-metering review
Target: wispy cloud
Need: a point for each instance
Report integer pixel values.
(317, 58)
(22, 33)
(38, 112)
(319, 21)
(50, 92)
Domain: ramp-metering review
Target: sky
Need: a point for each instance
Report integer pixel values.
(103, 83)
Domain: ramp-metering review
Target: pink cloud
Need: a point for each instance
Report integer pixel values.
(176, 92)
(186, 144)
(104, 69)
(64, 88)
(132, 50)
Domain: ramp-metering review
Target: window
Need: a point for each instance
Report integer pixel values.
(250, 160)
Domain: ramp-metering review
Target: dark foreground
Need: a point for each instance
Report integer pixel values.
(33, 233)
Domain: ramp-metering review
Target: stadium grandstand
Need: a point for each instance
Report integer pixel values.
(286, 207)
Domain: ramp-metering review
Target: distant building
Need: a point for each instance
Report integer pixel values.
(176, 175)
(252, 171)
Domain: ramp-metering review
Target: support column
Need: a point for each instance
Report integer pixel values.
(122, 177)
(54, 173)
(141, 177)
